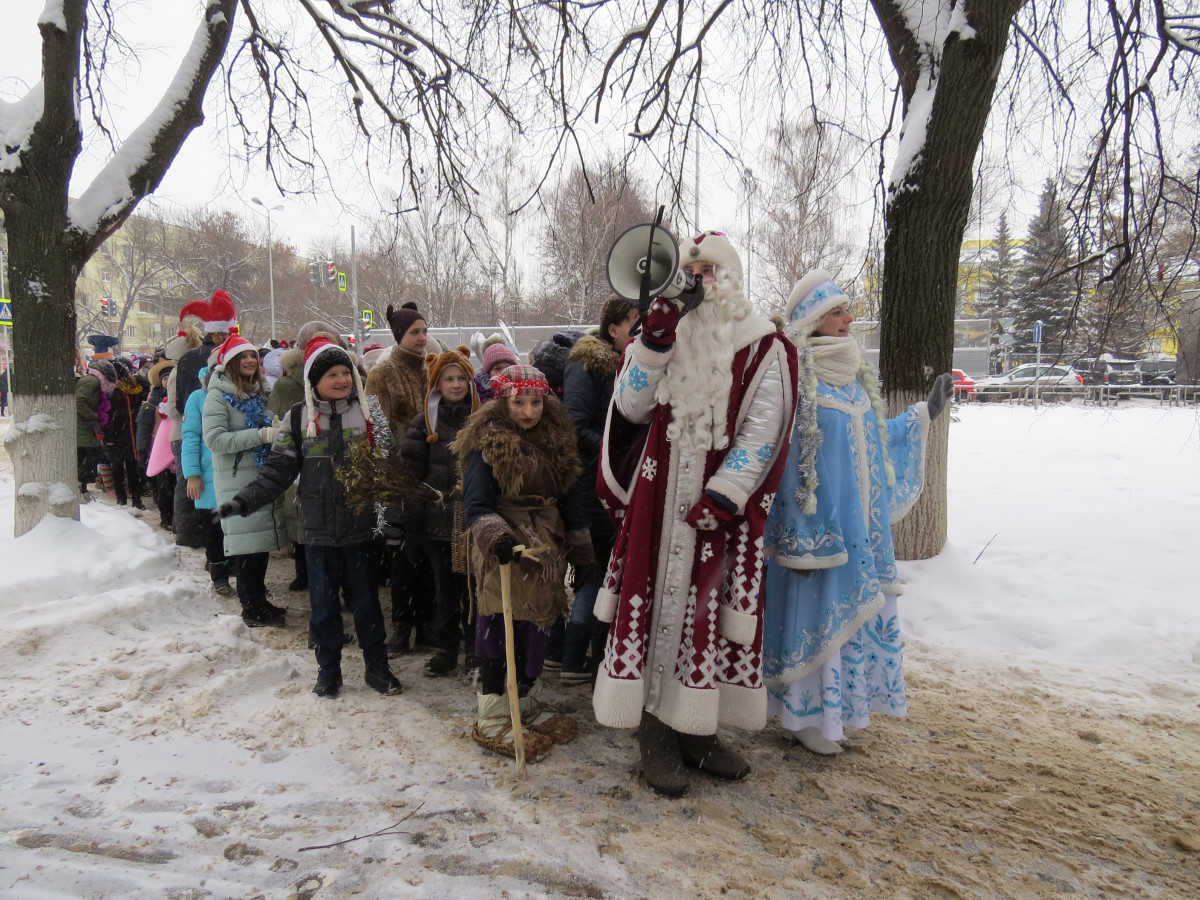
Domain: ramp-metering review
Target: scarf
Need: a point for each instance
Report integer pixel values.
(836, 359)
(254, 409)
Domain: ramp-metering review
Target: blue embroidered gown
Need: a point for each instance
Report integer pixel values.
(831, 636)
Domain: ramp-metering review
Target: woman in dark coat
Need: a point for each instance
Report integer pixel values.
(588, 386)
(426, 448)
(120, 437)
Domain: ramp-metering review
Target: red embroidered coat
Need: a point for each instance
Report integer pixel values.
(686, 605)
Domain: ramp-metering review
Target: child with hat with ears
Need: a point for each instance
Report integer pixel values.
(313, 441)
(238, 430)
(426, 448)
(519, 488)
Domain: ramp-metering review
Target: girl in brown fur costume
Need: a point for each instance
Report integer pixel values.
(519, 487)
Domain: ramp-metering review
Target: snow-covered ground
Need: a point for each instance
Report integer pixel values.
(152, 746)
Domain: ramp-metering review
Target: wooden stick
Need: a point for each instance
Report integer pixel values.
(514, 702)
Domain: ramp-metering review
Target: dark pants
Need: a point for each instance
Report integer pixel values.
(164, 498)
(529, 648)
(450, 616)
(329, 570)
(214, 552)
(413, 593)
(188, 532)
(87, 458)
(250, 569)
(127, 477)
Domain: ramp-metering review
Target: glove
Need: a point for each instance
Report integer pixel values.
(234, 507)
(503, 548)
(713, 511)
(268, 433)
(940, 394)
(659, 328)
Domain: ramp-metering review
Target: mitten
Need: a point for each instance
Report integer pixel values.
(234, 507)
(713, 511)
(268, 433)
(503, 548)
(940, 394)
(659, 328)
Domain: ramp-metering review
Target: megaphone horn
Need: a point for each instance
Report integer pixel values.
(645, 252)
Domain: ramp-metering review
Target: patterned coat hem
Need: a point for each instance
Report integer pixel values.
(832, 646)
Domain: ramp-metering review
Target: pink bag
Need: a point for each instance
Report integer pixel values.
(161, 456)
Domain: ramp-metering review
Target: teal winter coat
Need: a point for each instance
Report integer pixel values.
(231, 426)
(194, 454)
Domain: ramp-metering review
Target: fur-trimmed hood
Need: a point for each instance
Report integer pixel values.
(596, 356)
(505, 446)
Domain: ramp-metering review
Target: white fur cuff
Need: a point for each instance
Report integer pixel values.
(738, 627)
(743, 707)
(605, 608)
(617, 702)
(728, 489)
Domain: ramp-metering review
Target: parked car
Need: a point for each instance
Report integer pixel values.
(1107, 369)
(964, 385)
(1050, 381)
(1157, 371)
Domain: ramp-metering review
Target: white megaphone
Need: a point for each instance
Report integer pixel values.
(644, 262)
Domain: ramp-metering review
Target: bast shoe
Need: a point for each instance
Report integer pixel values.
(329, 683)
(383, 680)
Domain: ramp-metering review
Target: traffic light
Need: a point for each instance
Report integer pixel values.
(314, 274)
(106, 306)
(350, 340)
(330, 273)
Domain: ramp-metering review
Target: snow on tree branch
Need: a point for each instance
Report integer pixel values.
(140, 163)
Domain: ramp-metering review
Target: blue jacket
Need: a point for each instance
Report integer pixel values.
(195, 455)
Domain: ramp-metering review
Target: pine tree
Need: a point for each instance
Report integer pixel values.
(1043, 288)
(996, 295)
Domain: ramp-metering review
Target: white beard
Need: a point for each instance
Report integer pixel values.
(700, 373)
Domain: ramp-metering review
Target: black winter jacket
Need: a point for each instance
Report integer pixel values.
(120, 435)
(325, 519)
(437, 466)
(587, 393)
(187, 372)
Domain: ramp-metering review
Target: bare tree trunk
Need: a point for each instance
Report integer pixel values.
(926, 215)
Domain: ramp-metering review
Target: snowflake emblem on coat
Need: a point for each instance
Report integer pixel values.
(637, 379)
(737, 459)
(649, 468)
(764, 454)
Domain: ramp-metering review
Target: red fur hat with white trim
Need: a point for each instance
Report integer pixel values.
(234, 344)
(217, 314)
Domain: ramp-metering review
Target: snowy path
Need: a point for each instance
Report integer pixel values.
(151, 745)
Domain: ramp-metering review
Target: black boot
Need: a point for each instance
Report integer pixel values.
(575, 668)
(329, 682)
(662, 765)
(706, 753)
(382, 679)
(441, 663)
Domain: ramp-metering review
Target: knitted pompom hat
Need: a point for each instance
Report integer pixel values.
(497, 352)
(811, 297)
(521, 380)
(217, 314)
(437, 363)
(234, 344)
(320, 355)
(551, 356)
(712, 247)
(402, 319)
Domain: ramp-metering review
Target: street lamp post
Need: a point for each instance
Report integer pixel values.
(270, 256)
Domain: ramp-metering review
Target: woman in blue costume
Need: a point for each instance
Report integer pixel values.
(831, 635)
